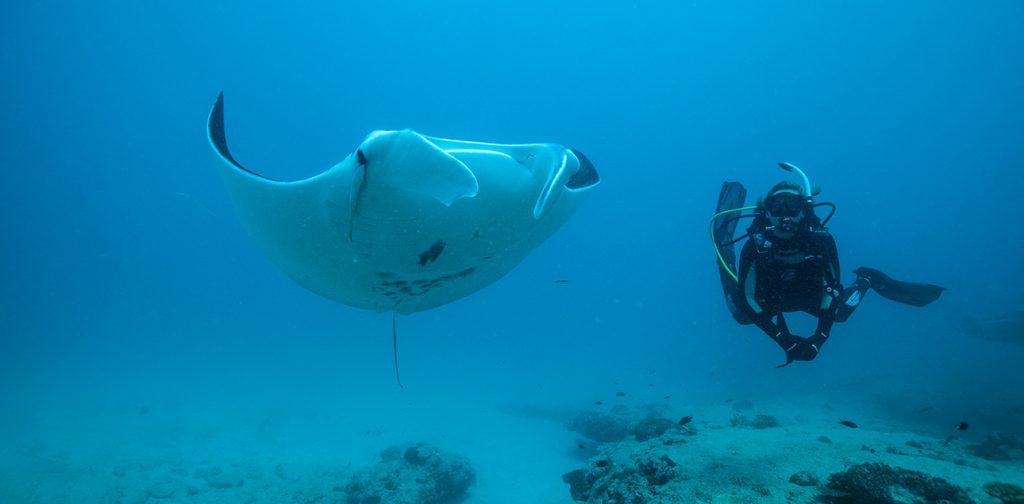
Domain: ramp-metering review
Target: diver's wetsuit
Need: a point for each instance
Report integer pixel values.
(798, 274)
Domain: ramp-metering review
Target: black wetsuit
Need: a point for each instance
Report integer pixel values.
(788, 275)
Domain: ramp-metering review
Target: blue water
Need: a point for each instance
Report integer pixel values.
(130, 289)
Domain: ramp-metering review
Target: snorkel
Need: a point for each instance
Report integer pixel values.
(790, 167)
(809, 193)
(788, 205)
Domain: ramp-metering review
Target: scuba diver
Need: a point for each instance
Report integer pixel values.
(790, 263)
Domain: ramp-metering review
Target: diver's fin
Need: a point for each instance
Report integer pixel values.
(732, 196)
(914, 294)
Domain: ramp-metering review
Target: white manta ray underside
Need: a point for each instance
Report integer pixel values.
(408, 222)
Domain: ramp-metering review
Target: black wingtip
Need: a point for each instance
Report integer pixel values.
(586, 176)
(215, 130)
(216, 120)
(218, 137)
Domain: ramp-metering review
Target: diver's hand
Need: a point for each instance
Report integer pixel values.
(807, 349)
(790, 343)
(787, 340)
(818, 341)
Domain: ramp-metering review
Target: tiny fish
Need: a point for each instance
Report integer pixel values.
(962, 426)
(848, 424)
(581, 446)
(598, 403)
(620, 394)
(685, 420)
(668, 397)
(561, 280)
(602, 463)
(925, 409)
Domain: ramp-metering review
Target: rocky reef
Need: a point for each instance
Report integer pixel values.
(1007, 493)
(411, 474)
(999, 446)
(621, 422)
(624, 482)
(754, 457)
(877, 483)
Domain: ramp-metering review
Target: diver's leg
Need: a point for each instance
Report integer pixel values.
(849, 299)
(732, 291)
(780, 321)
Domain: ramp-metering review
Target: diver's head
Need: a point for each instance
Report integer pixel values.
(786, 207)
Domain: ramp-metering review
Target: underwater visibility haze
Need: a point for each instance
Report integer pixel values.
(157, 344)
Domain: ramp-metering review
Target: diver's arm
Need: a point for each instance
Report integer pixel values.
(746, 302)
(747, 280)
(826, 318)
(830, 289)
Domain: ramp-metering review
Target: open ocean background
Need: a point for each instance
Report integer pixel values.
(139, 321)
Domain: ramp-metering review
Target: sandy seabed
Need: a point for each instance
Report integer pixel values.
(519, 452)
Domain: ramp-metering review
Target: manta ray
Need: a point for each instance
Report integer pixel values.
(407, 222)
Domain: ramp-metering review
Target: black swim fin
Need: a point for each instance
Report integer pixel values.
(914, 294)
(732, 196)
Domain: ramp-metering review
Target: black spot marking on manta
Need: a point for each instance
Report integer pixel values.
(432, 253)
(395, 289)
(360, 156)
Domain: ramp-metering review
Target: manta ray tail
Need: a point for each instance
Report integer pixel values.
(394, 346)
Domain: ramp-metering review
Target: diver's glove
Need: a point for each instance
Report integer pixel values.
(787, 341)
(805, 349)
(791, 344)
(818, 340)
(810, 348)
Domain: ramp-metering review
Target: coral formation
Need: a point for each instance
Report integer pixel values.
(1007, 493)
(600, 426)
(634, 483)
(411, 474)
(804, 478)
(876, 483)
(608, 427)
(650, 428)
(999, 446)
